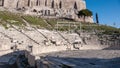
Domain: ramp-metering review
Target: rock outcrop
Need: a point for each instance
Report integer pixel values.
(49, 8)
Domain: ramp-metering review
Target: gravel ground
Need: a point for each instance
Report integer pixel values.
(90, 58)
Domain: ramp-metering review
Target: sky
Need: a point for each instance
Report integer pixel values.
(108, 11)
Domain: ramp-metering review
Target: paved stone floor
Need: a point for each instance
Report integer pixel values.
(90, 58)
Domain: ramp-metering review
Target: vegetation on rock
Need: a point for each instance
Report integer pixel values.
(85, 13)
(17, 20)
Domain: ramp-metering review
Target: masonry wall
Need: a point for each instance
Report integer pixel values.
(1, 2)
(57, 8)
(65, 4)
(10, 4)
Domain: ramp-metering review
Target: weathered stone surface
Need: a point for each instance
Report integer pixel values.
(58, 8)
(85, 58)
(80, 4)
(1, 3)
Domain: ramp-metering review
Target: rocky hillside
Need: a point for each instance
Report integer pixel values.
(27, 25)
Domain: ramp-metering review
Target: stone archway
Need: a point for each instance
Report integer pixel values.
(45, 2)
(28, 3)
(37, 2)
(52, 4)
(60, 4)
(1, 2)
(75, 6)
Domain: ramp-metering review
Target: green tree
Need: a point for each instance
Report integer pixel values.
(97, 19)
(84, 13)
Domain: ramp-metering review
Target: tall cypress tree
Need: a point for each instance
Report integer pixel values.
(97, 19)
